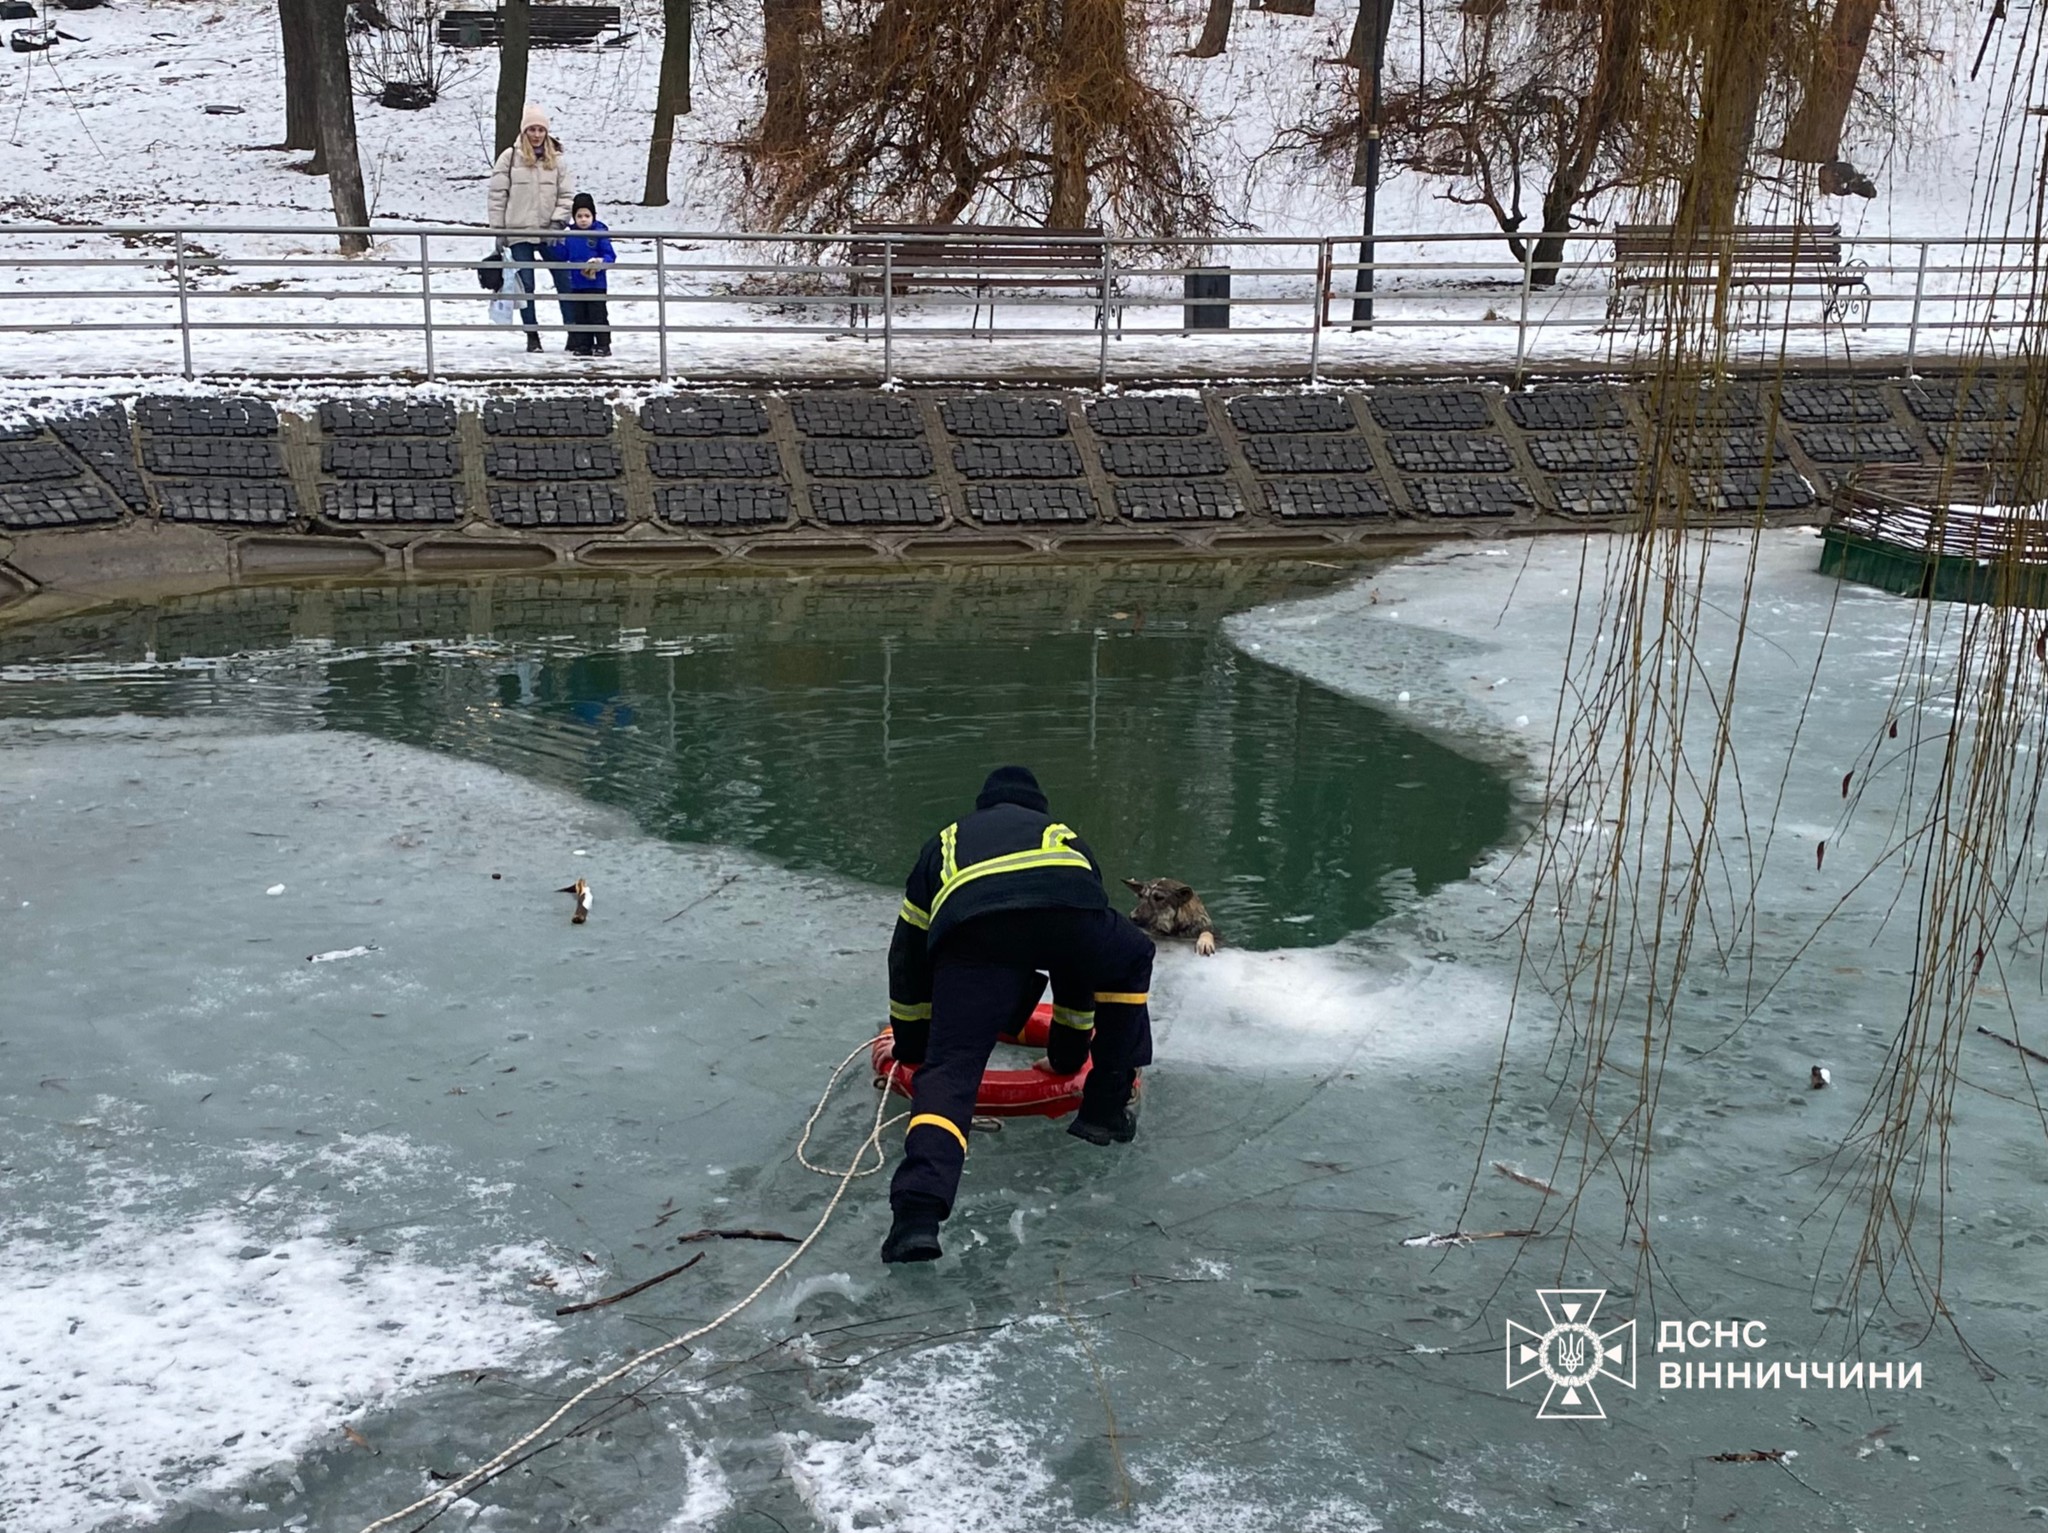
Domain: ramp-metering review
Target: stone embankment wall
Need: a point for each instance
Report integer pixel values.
(210, 487)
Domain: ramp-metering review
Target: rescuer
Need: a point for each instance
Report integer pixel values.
(994, 900)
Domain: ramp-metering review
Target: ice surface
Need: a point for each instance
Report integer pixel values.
(502, 1101)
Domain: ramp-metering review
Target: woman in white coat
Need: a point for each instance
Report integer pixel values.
(531, 189)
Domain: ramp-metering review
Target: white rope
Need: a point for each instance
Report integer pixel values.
(440, 1499)
(873, 1141)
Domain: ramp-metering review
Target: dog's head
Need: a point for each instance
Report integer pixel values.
(1167, 907)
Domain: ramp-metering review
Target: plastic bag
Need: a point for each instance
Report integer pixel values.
(504, 311)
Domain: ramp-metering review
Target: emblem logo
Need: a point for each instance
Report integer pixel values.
(1571, 1354)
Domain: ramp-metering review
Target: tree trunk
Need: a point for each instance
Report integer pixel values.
(1815, 136)
(301, 79)
(1615, 81)
(1738, 63)
(1364, 39)
(1068, 208)
(1091, 51)
(1367, 54)
(671, 98)
(1215, 31)
(787, 27)
(514, 19)
(336, 116)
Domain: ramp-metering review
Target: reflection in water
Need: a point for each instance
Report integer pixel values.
(834, 722)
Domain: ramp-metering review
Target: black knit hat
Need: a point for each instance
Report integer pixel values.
(1012, 785)
(584, 200)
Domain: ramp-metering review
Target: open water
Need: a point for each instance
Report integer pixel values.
(286, 1238)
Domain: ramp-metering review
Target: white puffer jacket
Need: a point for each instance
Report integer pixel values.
(528, 194)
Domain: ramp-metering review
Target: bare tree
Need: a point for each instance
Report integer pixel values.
(337, 121)
(1815, 134)
(671, 98)
(515, 19)
(1035, 110)
(1215, 31)
(1544, 104)
(1615, 93)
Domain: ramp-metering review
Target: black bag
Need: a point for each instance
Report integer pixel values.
(490, 275)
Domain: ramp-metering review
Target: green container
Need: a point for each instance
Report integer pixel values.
(1936, 576)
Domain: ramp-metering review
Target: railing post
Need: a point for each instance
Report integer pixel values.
(1102, 356)
(1913, 330)
(184, 309)
(427, 299)
(661, 301)
(888, 310)
(1315, 319)
(1522, 322)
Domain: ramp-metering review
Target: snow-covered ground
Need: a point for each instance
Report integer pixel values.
(114, 129)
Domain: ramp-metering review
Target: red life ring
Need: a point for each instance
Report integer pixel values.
(1032, 1093)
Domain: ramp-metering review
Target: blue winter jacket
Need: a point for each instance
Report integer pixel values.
(580, 247)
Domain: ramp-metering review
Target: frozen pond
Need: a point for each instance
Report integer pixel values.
(287, 1238)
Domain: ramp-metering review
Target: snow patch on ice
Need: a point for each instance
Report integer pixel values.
(707, 1493)
(948, 1446)
(1309, 1008)
(152, 1360)
(804, 1289)
(937, 1457)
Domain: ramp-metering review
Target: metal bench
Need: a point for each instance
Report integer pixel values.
(983, 258)
(1648, 261)
(548, 26)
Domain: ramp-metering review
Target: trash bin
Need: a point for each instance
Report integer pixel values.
(1209, 282)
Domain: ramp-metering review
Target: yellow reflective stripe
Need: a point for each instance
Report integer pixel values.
(901, 1012)
(1018, 862)
(1052, 851)
(1120, 997)
(1067, 1016)
(937, 1122)
(1009, 862)
(921, 919)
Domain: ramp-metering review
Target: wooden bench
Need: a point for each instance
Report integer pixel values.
(548, 26)
(983, 258)
(1757, 256)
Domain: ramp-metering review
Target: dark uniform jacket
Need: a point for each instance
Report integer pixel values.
(1005, 857)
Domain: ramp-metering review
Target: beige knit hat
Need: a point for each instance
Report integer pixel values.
(533, 117)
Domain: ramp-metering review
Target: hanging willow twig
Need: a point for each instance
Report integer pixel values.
(1655, 848)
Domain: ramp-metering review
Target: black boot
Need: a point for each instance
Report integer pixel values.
(533, 340)
(914, 1237)
(1119, 1128)
(1109, 1112)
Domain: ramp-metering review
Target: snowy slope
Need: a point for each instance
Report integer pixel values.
(113, 128)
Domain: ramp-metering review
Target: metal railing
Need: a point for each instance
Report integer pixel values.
(217, 300)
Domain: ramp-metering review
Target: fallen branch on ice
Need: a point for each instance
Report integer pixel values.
(2009, 1043)
(1466, 1237)
(777, 1235)
(1526, 1180)
(663, 1277)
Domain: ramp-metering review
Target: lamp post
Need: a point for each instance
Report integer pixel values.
(1369, 166)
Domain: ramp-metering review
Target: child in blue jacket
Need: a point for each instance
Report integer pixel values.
(587, 252)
